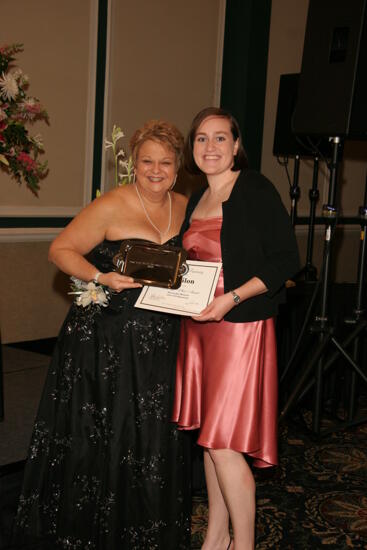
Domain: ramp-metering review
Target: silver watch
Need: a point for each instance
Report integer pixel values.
(236, 298)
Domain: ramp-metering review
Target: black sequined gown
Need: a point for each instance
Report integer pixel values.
(106, 467)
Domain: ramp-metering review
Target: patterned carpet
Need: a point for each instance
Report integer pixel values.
(316, 498)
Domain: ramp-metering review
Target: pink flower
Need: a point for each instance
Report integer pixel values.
(28, 163)
(31, 106)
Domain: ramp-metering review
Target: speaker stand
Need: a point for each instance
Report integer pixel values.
(294, 190)
(309, 271)
(313, 194)
(321, 326)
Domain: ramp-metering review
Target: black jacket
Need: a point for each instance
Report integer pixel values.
(257, 240)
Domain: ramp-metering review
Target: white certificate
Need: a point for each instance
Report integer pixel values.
(195, 293)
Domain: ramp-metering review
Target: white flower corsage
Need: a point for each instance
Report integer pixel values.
(89, 293)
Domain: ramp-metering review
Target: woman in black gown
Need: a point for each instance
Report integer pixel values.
(106, 468)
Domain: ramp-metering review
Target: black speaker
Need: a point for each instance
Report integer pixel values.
(286, 143)
(333, 82)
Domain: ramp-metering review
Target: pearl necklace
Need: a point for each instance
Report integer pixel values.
(161, 233)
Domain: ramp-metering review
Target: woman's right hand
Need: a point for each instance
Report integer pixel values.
(117, 282)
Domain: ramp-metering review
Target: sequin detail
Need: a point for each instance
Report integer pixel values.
(74, 543)
(184, 524)
(42, 441)
(151, 404)
(112, 366)
(69, 375)
(101, 429)
(81, 321)
(144, 469)
(50, 508)
(150, 334)
(90, 489)
(144, 536)
(25, 507)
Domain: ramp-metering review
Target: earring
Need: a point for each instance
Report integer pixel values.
(174, 183)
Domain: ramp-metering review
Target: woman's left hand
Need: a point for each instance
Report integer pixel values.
(217, 309)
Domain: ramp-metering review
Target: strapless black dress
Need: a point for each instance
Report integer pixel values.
(106, 467)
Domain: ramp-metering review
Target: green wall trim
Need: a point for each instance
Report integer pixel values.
(100, 93)
(245, 58)
(8, 222)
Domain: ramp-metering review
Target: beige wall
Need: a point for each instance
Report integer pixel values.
(288, 21)
(35, 300)
(56, 58)
(165, 63)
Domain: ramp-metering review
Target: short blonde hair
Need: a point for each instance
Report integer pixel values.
(162, 132)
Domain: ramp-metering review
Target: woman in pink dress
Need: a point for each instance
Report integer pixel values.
(226, 385)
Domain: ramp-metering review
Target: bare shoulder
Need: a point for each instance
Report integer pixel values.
(180, 200)
(111, 201)
(97, 213)
(125, 194)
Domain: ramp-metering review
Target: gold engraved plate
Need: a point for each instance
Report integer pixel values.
(150, 263)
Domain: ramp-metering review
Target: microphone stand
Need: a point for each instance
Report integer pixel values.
(310, 269)
(294, 191)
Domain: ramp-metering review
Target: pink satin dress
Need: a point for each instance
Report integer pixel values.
(226, 380)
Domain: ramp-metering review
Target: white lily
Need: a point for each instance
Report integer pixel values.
(37, 141)
(89, 293)
(117, 133)
(123, 164)
(126, 173)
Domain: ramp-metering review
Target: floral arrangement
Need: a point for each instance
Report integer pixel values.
(18, 150)
(124, 170)
(89, 293)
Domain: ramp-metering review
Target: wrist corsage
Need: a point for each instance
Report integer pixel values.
(89, 293)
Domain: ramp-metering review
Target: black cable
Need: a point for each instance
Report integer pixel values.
(303, 328)
(307, 316)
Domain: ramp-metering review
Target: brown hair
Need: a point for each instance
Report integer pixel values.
(162, 132)
(240, 159)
